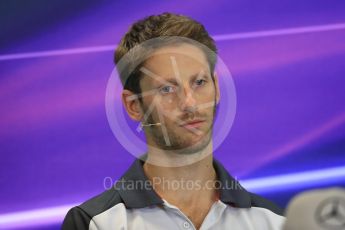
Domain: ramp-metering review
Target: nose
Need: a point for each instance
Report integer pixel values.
(188, 102)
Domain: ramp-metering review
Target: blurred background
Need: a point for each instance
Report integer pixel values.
(287, 59)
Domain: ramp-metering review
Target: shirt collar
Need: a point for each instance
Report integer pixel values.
(137, 192)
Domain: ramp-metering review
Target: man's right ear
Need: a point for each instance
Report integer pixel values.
(131, 103)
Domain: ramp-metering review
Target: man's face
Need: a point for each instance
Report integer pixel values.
(181, 96)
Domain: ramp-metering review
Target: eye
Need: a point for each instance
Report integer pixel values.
(200, 82)
(167, 89)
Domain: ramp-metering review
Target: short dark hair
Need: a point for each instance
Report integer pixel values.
(162, 25)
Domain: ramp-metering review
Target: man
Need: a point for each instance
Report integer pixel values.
(167, 66)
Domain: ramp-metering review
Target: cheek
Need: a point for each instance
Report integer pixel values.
(150, 107)
(165, 110)
(170, 113)
(205, 95)
(168, 103)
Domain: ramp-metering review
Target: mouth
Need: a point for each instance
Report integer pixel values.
(193, 124)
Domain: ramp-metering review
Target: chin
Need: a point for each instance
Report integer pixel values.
(196, 147)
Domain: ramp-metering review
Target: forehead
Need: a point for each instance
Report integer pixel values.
(182, 49)
(187, 59)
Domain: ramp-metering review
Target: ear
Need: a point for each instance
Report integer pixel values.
(215, 75)
(132, 105)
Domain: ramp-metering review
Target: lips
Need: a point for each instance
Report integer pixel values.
(193, 124)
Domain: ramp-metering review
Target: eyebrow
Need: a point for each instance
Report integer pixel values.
(193, 78)
(200, 74)
(171, 81)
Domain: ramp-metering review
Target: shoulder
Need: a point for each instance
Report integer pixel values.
(101, 203)
(261, 202)
(264, 214)
(79, 217)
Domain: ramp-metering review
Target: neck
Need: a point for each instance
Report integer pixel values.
(175, 159)
(199, 170)
(195, 170)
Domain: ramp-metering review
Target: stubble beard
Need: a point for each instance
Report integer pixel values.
(179, 145)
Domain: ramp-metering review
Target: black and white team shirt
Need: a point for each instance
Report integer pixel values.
(121, 208)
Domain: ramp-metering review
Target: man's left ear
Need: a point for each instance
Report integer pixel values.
(215, 75)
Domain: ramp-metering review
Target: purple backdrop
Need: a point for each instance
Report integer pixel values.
(287, 59)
